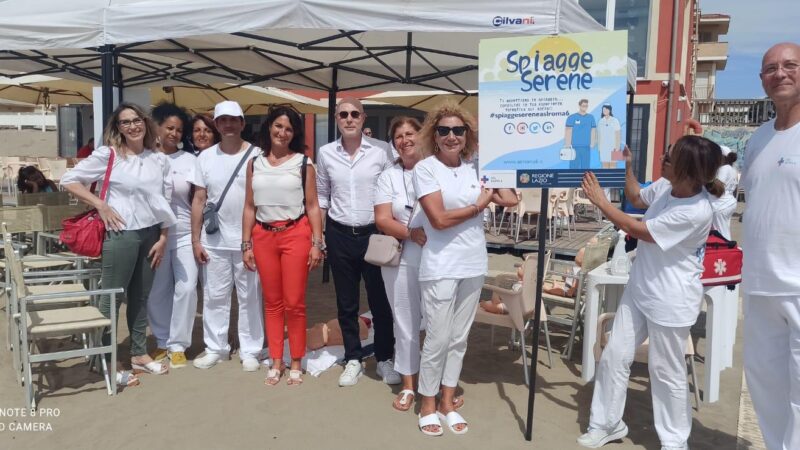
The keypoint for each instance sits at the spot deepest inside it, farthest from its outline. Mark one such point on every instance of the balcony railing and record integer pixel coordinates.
(734, 112)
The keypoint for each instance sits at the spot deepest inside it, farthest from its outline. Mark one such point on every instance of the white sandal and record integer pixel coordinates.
(405, 403)
(430, 419)
(453, 418)
(156, 368)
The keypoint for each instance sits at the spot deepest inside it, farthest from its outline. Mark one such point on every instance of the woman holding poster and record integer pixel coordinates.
(664, 293)
(454, 259)
(608, 137)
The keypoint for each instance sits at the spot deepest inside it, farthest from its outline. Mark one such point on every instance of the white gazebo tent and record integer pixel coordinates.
(330, 45)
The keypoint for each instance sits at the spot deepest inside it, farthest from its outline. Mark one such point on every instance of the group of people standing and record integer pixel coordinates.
(250, 217)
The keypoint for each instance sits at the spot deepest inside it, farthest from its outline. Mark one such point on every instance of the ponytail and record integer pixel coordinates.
(715, 188)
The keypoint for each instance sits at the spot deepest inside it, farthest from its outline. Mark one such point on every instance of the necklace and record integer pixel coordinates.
(454, 169)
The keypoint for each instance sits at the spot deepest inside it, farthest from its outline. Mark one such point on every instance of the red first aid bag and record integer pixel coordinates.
(722, 263)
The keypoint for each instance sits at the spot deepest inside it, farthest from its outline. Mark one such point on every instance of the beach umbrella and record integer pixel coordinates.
(426, 100)
(253, 99)
(40, 90)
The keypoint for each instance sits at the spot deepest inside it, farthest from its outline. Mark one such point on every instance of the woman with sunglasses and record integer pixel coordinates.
(663, 295)
(282, 235)
(397, 214)
(137, 215)
(454, 259)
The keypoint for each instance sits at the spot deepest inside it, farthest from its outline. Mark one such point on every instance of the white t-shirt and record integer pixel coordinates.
(213, 170)
(182, 166)
(139, 188)
(665, 277)
(278, 191)
(396, 186)
(771, 181)
(457, 252)
(655, 189)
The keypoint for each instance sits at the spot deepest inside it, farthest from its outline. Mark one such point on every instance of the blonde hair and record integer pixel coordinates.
(114, 138)
(448, 109)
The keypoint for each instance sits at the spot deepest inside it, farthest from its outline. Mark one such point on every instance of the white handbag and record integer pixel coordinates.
(384, 250)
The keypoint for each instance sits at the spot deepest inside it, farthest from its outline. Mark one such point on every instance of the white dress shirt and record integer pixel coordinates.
(139, 189)
(345, 186)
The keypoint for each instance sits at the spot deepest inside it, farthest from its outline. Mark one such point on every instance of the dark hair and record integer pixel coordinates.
(731, 158)
(209, 122)
(113, 137)
(610, 111)
(298, 142)
(582, 101)
(164, 111)
(697, 159)
(399, 121)
(24, 174)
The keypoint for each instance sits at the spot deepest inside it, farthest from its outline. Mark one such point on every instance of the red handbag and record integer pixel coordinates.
(722, 263)
(84, 233)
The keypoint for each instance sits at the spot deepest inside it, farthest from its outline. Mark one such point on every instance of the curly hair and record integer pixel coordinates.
(113, 137)
(448, 109)
(298, 142)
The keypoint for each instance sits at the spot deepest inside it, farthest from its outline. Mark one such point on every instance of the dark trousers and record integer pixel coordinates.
(346, 250)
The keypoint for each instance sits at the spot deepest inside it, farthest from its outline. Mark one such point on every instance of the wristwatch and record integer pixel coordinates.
(320, 244)
(247, 246)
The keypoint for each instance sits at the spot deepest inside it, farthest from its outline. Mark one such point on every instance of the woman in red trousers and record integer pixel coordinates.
(282, 234)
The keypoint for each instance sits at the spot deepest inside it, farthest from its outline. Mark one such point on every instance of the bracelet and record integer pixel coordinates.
(318, 243)
(247, 246)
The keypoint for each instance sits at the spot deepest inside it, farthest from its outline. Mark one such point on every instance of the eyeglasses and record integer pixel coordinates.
(354, 114)
(445, 131)
(772, 69)
(130, 123)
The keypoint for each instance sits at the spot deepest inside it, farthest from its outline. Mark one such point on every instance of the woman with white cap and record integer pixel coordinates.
(725, 206)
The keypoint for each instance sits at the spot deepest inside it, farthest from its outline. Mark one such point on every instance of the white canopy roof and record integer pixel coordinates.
(393, 44)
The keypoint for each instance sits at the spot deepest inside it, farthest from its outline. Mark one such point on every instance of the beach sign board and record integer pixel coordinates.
(552, 108)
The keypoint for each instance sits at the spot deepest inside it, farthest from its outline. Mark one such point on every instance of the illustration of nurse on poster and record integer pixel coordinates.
(551, 108)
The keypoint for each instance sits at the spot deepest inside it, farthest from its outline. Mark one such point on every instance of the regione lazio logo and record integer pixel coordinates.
(720, 267)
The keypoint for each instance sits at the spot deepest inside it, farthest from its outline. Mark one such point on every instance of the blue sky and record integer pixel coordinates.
(755, 26)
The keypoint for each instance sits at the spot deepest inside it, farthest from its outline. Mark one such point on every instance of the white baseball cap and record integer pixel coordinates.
(228, 108)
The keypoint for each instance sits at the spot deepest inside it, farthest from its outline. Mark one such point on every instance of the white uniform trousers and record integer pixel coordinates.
(450, 307)
(172, 304)
(721, 220)
(772, 366)
(672, 411)
(224, 269)
(403, 292)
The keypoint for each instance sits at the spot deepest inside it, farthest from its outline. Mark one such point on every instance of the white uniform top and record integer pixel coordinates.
(607, 128)
(457, 252)
(182, 170)
(396, 186)
(346, 187)
(649, 193)
(213, 170)
(771, 181)
(139, 188)
(665, 277)
(278, 191)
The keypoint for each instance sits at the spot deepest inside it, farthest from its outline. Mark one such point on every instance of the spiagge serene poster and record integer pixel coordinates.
(551, 108)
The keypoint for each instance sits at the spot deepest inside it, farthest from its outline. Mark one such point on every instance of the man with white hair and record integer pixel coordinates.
(347, 172)
(771, 271)
(219, 180)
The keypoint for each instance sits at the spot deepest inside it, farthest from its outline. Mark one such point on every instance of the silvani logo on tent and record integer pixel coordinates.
(505, 20)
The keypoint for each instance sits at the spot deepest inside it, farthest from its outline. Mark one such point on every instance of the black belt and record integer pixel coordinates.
(288, 224)
(357, 231)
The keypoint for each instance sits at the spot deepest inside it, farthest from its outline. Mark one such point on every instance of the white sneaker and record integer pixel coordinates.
(387, 373)
(599, 438)
(250, 364)
(352, 372)
(207, 361)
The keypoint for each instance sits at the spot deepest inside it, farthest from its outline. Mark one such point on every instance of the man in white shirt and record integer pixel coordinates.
(771, 271)
(347, 172)
(219, 253)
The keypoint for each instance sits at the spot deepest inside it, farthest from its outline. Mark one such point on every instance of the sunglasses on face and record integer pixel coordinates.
(354, 114)
(665, 158)
(445, 131)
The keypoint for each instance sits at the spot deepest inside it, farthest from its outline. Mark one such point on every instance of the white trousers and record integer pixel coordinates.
(450, 307)
(224, 270)
(772, 366)
(172, 304)
(672, 411)
(721, 220)
(403, 292)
